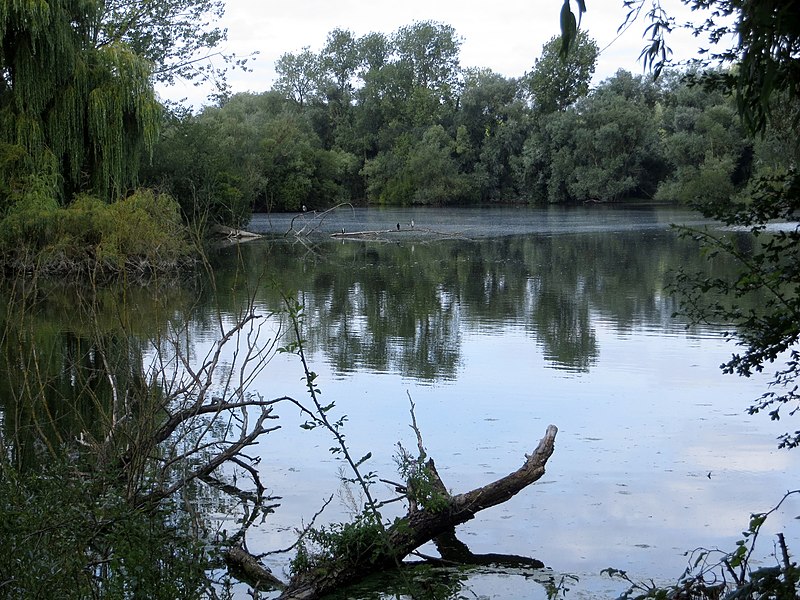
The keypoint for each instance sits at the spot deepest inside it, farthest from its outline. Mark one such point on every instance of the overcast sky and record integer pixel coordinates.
(506, 36)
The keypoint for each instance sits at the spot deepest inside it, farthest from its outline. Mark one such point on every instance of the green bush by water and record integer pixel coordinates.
(143, 232)
(66, 536)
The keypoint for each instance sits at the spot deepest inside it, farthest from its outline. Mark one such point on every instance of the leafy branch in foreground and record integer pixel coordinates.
(344, 553)
(762, 301)
(715, 574)
(319, 417)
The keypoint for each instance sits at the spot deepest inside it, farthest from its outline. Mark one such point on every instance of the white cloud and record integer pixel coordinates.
(506, 37)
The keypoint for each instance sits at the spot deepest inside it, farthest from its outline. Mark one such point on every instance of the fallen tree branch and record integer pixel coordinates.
(418, 527)
(310, 225)
(234, 448)
(251, 570)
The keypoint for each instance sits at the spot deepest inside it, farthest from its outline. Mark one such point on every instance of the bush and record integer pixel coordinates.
(143, 232)
(67, 537)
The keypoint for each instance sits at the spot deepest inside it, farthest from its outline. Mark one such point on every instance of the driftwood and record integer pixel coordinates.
(372, 232)
(234, 234)
(421, 525)
(380, 234)
(248, 568)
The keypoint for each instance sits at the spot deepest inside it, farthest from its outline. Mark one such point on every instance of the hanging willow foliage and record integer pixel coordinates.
(89, 106)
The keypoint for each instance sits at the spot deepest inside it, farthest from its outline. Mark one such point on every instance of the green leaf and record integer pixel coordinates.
(756, 521)
(737, 558)
(364, 458)
(569, 29)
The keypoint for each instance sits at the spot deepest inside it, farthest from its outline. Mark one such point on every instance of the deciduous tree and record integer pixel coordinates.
(298, 75)
(555, 82)
(77, 106)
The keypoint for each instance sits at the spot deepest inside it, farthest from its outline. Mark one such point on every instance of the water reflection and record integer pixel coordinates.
(404, 308)
(549, 326)
(61, 348)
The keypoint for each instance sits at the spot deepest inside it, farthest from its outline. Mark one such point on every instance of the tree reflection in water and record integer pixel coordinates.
(403, 308)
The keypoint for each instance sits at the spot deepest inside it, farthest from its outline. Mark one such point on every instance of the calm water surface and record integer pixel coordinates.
(498, 322)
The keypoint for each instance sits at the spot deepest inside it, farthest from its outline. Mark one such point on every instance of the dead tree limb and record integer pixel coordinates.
(418, 527)
(455, 552)
(250, 569)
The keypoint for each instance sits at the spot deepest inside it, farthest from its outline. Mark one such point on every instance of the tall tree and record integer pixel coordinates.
(178, 37)
(555, 82)
(493, 123)
(430, 51)
(375, 51)
(298, 75)
(339, 62)
(76, 107)
(706, 148)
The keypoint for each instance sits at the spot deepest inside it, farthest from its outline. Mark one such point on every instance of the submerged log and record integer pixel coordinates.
(418, 527)
(455, 552)
(249, 569)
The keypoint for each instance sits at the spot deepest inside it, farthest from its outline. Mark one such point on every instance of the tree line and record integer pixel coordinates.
(376, 119)
(395, 120)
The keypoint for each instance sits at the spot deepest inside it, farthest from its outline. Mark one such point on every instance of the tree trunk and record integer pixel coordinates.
(420, 526)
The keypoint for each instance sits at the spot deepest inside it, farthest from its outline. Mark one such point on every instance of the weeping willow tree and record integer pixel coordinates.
(74, 116)
(76, 99)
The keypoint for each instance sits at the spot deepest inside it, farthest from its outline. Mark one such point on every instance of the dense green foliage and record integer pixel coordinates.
(74, 115)
(141, 233)
(556, 82)
(64, 537)
(78, 114)
(77, 105)
(397, 120)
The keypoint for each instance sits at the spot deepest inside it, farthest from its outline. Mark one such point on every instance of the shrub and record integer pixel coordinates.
(66, 537)
(143, 232)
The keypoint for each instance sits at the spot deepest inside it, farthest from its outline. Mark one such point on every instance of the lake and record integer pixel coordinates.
(498, 322)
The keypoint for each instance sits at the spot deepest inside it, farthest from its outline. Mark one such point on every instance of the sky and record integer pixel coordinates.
(506, 37)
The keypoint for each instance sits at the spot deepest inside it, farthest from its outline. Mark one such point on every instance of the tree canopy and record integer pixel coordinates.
(557, 82)
(395, 119)
(175, 36)
(77, 106)
(73, 114)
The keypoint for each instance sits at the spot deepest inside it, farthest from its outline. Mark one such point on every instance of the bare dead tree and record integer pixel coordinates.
(420, 525)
